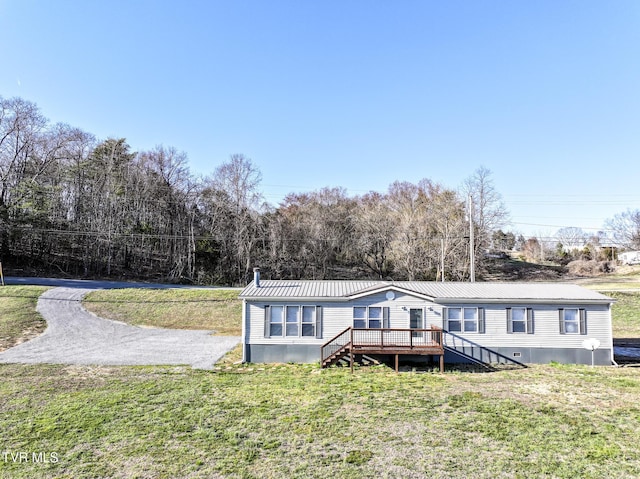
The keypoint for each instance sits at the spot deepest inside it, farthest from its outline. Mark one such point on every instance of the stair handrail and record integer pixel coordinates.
(336, 344)
(501, 358)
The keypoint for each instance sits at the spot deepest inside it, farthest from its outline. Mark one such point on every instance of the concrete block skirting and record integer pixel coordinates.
(304, 353)
(282, 353)
(602, 357)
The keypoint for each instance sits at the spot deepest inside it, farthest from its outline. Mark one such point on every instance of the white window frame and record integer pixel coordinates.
(293, 325)
(313, 324)
(577, 323)
(273, 323)
(462, 319)
(368, 319)
(520, 321)
(300, 322)
(297, 327)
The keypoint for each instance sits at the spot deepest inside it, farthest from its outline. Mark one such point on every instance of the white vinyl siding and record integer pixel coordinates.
(335, 317)
(546, 333)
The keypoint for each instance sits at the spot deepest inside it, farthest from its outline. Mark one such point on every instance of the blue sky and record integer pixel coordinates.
(356, 94)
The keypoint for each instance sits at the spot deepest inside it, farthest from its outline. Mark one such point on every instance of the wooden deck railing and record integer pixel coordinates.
(382, 341)
(335, 346)
(397, 338)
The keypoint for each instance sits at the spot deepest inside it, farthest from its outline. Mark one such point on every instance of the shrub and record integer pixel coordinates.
(589, 267)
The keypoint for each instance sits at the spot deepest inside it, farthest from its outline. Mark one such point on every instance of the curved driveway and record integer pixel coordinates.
(75, 336)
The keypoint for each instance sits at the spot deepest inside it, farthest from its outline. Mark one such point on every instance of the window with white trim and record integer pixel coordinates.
(375, 317)
(309, 321)
(275, 320)
(573, 321)
(292, 321)
(367, 317)
(462, 320)
(520, 320)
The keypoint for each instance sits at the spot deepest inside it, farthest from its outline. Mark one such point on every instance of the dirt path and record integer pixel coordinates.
(75, 336)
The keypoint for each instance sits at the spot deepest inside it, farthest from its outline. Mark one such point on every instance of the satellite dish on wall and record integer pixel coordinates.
(591, 345)
(391, 295)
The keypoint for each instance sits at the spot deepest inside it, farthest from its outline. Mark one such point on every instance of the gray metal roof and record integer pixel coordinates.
(447, 291)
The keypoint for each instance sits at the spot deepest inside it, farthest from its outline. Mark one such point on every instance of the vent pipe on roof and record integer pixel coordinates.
(256, 277)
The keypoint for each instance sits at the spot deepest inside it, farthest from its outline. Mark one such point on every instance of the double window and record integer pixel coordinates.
(370, 317)
(292, 321)
(520, 320)
(573, 321)
(465, 320)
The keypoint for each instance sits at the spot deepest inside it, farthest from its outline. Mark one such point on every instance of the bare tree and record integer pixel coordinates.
(448, 229)
(572, 238)
(625, 229)
(170, 197)
(239, 179)
(318, 228)
(375, 229)
(532, 249)
(409, 247)
(490, 212)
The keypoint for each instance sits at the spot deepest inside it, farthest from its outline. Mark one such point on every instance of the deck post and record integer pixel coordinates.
(396, 364)
(351, 351)
(442, 362)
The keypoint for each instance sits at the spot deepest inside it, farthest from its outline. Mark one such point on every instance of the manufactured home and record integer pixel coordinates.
(311, 321)
(630, 257)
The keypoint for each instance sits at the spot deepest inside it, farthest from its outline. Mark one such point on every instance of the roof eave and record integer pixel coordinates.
(382, 289)
(525, 300)
(335, 299)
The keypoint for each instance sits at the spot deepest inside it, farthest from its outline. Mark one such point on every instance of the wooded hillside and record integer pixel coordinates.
(78, 206)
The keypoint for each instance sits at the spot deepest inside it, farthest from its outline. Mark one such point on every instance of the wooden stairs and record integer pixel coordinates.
(366, 342)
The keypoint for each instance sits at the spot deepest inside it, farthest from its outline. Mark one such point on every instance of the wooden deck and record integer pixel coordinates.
(396, 342)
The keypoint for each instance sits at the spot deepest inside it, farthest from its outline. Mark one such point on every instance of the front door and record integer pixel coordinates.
(416, 321)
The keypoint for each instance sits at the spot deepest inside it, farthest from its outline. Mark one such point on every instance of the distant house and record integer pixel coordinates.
(629, 257)
(310, 321)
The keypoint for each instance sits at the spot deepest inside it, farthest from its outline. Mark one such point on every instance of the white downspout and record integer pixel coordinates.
(244, 330)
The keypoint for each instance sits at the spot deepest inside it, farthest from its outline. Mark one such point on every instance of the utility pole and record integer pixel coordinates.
(442, 256)
(472, 257)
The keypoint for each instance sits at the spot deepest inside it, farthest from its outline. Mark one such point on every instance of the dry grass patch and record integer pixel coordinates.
(303, 422)
(19, 320)
(209, 309)
(624, 278)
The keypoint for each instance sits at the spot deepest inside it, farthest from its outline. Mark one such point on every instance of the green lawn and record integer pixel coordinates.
(302, 422)
(211, 309)
(625, 314)
(18, 319)
(298, 421)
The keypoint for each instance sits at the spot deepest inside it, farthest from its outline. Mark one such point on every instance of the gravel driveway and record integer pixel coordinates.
(75, 336)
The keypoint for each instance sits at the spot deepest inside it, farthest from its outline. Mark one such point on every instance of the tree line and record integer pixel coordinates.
(75, 205)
